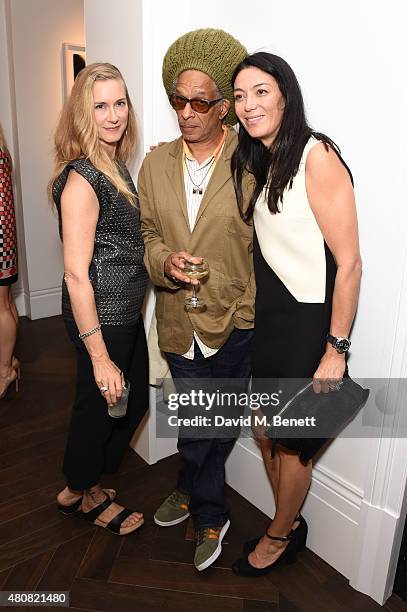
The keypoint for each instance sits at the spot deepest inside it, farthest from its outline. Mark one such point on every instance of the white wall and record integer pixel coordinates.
(108, 33)
(354, 93)
(36, 33)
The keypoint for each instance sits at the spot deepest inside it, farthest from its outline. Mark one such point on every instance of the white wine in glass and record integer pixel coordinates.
(195, 272)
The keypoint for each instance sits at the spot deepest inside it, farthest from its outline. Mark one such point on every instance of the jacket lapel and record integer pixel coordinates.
(176, 179)
(220, 175)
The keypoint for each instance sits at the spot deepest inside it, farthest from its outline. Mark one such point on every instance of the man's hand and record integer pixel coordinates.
(174, 265)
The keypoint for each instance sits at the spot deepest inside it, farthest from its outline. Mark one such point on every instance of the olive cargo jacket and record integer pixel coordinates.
(219, 235)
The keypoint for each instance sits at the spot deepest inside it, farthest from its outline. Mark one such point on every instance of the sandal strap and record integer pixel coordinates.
(71, 508)
(281, 538)
(92, 515)
(116, 522)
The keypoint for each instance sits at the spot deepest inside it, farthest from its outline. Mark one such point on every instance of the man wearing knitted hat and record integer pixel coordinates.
(189, 211)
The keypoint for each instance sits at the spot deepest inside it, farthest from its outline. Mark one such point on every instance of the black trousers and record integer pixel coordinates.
(97, 442)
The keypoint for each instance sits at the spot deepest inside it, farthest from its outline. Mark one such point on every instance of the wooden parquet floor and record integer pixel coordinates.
(150, 570)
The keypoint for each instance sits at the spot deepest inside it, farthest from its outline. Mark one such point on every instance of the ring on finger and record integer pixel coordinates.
(103, 389)
(334, 386)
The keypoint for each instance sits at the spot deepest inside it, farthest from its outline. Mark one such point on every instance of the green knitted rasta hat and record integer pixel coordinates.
(214, 52)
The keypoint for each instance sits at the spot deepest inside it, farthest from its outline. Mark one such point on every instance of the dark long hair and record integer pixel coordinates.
(274, 167)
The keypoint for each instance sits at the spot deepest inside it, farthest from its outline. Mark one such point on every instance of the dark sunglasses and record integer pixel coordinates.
(197, 104)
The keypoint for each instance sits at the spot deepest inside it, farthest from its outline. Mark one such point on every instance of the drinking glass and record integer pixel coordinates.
(119, 409)
(195, 271)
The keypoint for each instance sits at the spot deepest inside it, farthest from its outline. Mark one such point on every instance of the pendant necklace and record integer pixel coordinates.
(197, 188)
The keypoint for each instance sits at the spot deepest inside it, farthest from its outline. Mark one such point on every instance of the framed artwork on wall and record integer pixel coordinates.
(73, 60)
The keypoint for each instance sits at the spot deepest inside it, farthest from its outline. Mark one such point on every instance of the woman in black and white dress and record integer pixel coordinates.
(307, 267)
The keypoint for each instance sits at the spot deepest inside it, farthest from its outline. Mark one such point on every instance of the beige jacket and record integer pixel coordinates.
(219, 235)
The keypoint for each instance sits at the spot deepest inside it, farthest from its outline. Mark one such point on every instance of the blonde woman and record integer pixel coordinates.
(103, 287)
(9, 365)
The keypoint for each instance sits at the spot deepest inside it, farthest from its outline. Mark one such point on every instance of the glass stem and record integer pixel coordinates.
(193, 293)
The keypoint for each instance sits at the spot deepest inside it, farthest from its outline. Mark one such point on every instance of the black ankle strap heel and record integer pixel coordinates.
(243, 567)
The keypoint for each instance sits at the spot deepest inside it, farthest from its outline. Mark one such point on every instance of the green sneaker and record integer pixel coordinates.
(173, 510)
(209, 545)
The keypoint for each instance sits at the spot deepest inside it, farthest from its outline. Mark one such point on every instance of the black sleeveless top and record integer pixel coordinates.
(117, 273)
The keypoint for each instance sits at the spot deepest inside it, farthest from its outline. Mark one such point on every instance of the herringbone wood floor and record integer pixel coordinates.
(149, 570)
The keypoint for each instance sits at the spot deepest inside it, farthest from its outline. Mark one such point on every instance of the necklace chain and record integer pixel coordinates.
(198, 186)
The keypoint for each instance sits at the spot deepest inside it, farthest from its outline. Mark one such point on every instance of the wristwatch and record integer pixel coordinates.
(341, 345)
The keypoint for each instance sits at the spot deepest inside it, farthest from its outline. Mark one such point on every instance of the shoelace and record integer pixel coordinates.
(213, 534)
(177, 500)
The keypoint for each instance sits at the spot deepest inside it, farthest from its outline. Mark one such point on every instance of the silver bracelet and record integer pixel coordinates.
(90, 332)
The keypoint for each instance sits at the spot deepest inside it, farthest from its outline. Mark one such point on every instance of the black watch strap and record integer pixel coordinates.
(341, 345)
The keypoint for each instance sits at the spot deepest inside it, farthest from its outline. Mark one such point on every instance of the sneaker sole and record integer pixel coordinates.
(171, 523)
(218, 550)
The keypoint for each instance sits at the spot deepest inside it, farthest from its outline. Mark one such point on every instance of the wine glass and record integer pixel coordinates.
(195, 271)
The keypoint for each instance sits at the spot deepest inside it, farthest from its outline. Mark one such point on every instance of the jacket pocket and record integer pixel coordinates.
(231, 290)
(237, 227)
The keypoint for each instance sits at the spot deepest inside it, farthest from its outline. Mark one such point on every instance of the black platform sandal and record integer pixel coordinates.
(115, 525)
(242, 567)
(299, 533)
(76, 506)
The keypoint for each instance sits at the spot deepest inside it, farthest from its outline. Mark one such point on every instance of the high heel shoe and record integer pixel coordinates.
(16, 365)
(8, 380)
(242, 567)
(299, 534)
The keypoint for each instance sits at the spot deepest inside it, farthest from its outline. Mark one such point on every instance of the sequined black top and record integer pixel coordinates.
(117, 272)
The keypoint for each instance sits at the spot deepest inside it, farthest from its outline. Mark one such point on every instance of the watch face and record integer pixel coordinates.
(342, 345)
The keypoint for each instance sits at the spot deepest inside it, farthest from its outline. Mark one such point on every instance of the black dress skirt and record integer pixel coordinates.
(289, 339)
